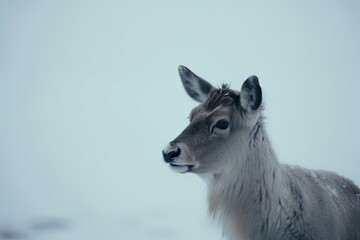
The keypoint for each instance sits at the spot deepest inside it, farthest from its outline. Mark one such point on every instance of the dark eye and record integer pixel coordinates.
(222, 124)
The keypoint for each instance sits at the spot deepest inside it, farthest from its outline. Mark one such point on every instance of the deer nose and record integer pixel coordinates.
(171, 155)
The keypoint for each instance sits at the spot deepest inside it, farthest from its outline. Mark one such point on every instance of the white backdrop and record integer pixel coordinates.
(89, 95)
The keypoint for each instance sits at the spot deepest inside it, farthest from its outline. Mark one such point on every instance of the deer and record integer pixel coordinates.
(249, 192)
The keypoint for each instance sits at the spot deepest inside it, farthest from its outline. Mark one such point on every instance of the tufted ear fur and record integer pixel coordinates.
(251, 94)
(196, 87)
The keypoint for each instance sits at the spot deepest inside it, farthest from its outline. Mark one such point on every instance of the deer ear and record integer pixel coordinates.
(251, 94)
(196, 87)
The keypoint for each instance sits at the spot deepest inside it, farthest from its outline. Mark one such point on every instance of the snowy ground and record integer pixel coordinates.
(92, 226)
(89, 96)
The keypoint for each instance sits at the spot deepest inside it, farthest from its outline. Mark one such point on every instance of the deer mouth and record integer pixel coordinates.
(181, 168)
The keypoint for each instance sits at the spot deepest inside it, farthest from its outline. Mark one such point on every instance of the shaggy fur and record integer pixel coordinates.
(252, 195)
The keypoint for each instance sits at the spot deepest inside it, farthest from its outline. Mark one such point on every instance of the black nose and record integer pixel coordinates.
(169, 157)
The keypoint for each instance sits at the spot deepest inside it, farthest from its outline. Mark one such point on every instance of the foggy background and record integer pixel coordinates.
(90, 94)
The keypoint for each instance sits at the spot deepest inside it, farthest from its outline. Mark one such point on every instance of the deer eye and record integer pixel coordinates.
(222, 124)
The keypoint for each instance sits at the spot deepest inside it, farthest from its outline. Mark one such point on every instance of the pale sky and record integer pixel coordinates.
(90, 94)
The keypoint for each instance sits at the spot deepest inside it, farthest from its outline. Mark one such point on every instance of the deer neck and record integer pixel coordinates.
(250, 189)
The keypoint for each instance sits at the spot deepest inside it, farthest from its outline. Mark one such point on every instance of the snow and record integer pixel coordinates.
(313, 174)
(332, 191)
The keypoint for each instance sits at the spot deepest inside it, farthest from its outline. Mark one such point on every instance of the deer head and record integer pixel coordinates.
(221, 127)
